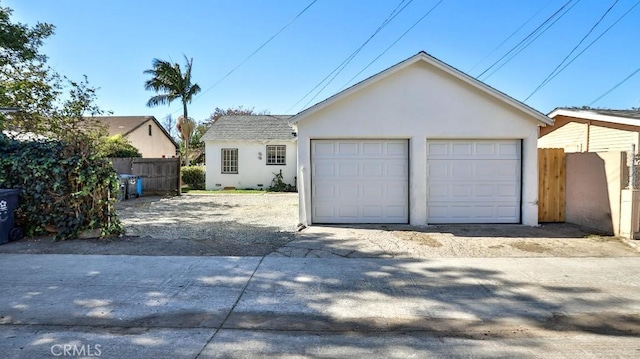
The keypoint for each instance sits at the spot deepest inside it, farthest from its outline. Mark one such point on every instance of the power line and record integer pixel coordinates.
(255, 51)
(510, 36)
(396, 11)
(615, 87)
(530, 41)
(519, 44)
(545, 81)
(392, 44)
(592, 42)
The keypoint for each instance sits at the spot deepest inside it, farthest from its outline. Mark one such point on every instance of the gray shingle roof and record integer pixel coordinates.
(250, 128)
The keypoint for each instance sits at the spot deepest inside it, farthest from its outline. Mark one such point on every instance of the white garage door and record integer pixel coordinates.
(359, 181)
(473, 181)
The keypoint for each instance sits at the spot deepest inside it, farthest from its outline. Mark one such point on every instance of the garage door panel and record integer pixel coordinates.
(476, 149)
(461, 170)
(476, 213)
(473, 181)
(348, 169)
(370, 178)
(324, 191)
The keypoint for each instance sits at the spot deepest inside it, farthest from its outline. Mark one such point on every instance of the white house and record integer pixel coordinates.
(419, 143)
(246, 151)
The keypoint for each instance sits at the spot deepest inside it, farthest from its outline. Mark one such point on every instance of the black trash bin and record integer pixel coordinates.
(122, 187)
(8, 204)
(133, 185)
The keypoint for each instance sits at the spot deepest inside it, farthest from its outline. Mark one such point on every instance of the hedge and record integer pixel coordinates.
(65, 189)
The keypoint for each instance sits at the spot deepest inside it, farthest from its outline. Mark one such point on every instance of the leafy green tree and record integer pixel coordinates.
(170, 83)
(65, 181)
(20, 43)
(119, 146)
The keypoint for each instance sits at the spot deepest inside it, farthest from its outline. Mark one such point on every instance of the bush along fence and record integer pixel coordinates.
(193, 176)
(65, 189)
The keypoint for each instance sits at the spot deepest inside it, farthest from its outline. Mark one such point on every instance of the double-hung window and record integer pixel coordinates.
(276, 155)
(229, 160)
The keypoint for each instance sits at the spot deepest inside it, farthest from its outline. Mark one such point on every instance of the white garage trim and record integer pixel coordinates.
(360, 181)
(474, 181)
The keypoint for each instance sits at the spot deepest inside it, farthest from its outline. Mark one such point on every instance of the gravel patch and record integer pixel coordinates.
(265, 224)
(255, 217)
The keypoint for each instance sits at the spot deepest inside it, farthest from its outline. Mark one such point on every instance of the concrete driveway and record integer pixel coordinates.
(228, 307)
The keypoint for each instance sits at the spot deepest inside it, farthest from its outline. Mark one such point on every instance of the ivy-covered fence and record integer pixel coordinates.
(65, 190)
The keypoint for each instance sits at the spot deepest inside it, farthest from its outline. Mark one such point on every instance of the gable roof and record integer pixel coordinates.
(424, 57)
(623, 117)
(250, 128)
(124, 125)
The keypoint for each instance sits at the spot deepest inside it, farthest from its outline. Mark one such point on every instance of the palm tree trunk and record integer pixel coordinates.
(187, 138)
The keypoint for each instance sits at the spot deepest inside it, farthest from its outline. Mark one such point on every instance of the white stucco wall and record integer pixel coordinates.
(417, 103)
(155, 146)
(252, 165)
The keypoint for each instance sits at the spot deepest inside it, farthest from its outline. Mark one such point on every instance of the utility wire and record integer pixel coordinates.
(532, 40)
(593, 42)
(509, 38)
(526, 38)
(255, 51)
(546, 80)
(396, 11)
(615, 87)
(392, 44)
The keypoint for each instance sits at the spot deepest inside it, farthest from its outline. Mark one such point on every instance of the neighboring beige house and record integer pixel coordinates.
(144, 132)
(591, 130)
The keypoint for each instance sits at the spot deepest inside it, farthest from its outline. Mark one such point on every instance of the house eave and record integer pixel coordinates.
(588, 115)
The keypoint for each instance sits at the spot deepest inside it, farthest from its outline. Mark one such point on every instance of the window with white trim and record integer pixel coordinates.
(229, 160)
(276, 154)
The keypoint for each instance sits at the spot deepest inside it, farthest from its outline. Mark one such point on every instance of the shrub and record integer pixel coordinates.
(194, 176)
(278, 184)
(65, 189)
(118, 146)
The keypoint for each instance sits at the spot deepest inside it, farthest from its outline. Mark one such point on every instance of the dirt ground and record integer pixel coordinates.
(265, 224)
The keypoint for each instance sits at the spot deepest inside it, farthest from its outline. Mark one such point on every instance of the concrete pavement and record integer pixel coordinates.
(189, 307)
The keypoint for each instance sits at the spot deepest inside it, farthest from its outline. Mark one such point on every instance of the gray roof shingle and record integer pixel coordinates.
(250, 128)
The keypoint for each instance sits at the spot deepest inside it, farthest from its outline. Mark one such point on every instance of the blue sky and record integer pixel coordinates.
(113, 42)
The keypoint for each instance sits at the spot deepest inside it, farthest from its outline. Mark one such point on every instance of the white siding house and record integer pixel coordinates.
(419, 143)
(247, 151)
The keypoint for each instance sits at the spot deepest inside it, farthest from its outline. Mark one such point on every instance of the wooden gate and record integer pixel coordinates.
(551, 184)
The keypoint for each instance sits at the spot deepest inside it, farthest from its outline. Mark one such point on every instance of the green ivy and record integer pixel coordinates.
(65, 190)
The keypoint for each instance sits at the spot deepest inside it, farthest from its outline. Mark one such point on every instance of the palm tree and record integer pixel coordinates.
(170, 83)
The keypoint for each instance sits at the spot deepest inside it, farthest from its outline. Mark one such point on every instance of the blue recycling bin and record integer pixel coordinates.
(139, 186)
(8, 204)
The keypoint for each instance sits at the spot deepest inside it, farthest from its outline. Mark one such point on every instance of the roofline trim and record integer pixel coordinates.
(423, 56)
(585, 114)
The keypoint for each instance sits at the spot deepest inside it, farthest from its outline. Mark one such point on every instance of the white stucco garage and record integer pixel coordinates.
(418, 143)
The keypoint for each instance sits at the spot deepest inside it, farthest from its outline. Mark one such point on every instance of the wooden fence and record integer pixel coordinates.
(159, 175)
(551, 185)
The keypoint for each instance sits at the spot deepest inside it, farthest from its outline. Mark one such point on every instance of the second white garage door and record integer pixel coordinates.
(473, 181)
(360, 181)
